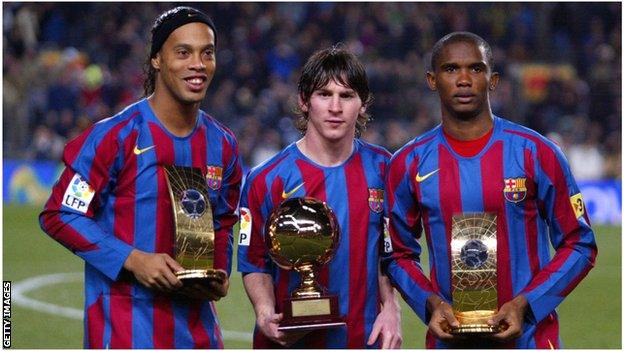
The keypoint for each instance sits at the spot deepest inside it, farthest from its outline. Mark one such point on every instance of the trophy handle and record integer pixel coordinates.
(309, 287)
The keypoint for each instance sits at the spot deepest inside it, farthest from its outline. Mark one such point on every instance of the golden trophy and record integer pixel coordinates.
(194, 230)
(473, 270)
(303, 234)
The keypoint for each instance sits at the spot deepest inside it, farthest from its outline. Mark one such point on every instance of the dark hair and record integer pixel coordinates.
(164, 25)
(457, 37)
(338, 64)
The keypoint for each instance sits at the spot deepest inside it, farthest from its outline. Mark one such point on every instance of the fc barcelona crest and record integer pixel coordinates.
(214, 175)
(375, 199)
(515, 189)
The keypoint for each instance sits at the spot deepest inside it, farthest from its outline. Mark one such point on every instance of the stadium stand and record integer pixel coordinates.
(67, 65)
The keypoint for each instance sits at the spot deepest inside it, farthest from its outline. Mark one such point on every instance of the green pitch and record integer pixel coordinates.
(590, 316)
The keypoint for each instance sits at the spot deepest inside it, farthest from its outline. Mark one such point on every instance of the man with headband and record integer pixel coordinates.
(111, 205)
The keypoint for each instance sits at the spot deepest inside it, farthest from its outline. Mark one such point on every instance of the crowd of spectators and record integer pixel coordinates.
(68, 65)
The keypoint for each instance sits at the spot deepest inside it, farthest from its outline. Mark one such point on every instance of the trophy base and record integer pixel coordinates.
(475, 322)
(201, 276)
(472, 329)
(310, 313)
(312, 326)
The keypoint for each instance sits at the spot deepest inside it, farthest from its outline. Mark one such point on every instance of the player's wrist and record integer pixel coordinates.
(130, 262)
(264, 311)
(391, 305)
(521, 304)
(434, 301)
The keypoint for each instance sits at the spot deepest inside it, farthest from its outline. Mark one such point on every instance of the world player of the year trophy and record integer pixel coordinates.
(194, 230)
(473, 270)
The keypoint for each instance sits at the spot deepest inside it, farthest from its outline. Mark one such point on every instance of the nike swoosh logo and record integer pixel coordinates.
(286, 195)
(420, 179)
(138, 151)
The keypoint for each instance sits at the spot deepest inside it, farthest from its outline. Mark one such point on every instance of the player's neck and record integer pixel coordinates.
(467, 128)
(325, 152)
(178, 118)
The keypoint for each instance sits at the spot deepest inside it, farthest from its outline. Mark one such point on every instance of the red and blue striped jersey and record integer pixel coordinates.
(525, 180)
(354, 191)
(113, 197)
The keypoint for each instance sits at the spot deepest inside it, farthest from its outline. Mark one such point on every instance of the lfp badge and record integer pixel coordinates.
(78, 194)
(214, 175)
(375, 199)
(515, 189)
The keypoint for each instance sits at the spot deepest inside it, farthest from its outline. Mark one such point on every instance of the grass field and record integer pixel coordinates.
(590, 316)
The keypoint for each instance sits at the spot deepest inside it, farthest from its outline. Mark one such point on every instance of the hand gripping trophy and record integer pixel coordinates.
(303, 234)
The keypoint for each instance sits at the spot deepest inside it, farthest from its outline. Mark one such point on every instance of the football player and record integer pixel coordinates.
(476, 162)
(330, 164)
(111, 205)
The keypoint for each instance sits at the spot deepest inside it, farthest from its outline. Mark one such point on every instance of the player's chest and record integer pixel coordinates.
(491, 182)
(145, 166)
(348, 194)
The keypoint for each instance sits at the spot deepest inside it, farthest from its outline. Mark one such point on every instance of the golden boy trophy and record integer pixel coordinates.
(194, 231)
(303, 234)
(473, 269)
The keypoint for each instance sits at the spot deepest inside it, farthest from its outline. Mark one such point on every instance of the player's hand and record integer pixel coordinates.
(442, 319)
(388, 326)
(510, 317)
(214, 290)
(155, 271)
(218, 289)
(268, 322)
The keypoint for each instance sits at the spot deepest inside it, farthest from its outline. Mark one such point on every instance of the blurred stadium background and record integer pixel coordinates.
(68, 65)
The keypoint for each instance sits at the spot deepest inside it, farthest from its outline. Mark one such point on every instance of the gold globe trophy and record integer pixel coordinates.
(303, 234)
(194, 230)
(473, 270)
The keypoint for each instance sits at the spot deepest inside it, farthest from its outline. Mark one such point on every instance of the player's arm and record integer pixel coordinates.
(509, 318)
(253, 259)
(401, 258)
(68, 216)
(259, 288)
(570, 234)
(255, 264)
(387, 325)
(226, 209)
(156, 271)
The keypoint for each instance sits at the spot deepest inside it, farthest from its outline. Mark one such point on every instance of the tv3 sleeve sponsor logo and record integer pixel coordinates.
(6, 314)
